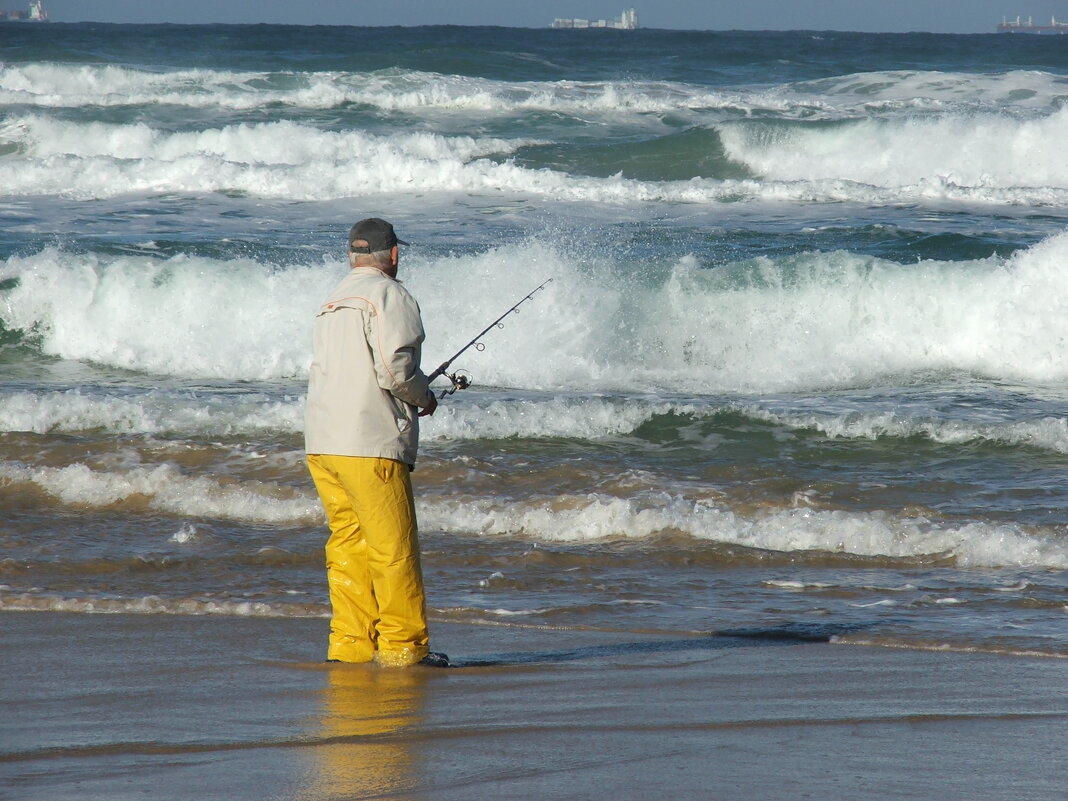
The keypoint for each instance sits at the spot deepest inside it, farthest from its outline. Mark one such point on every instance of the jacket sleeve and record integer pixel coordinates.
(395, 335)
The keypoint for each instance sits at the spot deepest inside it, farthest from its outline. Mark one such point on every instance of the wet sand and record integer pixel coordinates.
(167, 707)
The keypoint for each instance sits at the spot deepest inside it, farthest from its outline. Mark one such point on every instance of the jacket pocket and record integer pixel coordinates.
(401, 414)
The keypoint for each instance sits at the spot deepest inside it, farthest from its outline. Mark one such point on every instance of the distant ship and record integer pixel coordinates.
(35, 14)
(1008, 26)
(627, 21)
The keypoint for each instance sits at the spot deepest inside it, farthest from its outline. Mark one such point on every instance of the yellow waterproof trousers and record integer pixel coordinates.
(372, 560)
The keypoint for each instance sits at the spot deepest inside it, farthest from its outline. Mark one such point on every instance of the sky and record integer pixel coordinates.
(936, 16)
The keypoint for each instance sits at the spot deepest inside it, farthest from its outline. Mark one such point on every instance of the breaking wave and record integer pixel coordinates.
(567, 518)
(811, 320)
(883, 137)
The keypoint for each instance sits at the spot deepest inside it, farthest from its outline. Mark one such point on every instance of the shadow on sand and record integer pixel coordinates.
(783, 634)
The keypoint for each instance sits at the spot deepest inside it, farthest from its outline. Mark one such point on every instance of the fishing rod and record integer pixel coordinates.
(459, 380)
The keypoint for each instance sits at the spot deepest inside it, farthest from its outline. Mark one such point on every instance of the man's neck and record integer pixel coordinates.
(389, 273)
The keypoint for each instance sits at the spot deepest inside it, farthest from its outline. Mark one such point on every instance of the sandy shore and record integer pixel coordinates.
(164, 707)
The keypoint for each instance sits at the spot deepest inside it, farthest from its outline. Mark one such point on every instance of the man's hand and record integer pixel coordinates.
(429, 409)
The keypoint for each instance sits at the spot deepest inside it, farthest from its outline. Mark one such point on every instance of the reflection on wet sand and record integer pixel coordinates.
(366, 711)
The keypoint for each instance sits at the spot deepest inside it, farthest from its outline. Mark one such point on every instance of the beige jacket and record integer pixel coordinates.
(364, 383)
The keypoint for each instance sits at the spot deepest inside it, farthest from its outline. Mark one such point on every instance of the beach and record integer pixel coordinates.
(761, 496)
(135, 706)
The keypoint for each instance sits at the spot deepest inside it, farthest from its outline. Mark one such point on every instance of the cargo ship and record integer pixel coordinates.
(627, 21)
(36, 13)
(1019, 26)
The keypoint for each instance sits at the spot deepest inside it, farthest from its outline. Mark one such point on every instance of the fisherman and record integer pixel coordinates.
(366, 392)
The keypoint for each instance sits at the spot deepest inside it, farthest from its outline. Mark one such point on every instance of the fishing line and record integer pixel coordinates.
(460, 380)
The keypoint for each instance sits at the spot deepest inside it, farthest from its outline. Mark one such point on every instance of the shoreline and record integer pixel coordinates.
(113, 706)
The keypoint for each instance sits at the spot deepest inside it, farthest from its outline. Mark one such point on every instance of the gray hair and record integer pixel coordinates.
(379, 258)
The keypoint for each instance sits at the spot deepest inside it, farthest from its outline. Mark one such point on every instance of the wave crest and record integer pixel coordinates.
(810, 320)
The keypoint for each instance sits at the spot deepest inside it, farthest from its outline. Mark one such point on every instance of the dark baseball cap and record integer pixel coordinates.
(376, 233)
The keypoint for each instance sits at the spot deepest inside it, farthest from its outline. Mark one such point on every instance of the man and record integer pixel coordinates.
(365, 395)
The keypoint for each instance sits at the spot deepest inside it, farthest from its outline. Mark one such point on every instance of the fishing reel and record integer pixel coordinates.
(459, 379)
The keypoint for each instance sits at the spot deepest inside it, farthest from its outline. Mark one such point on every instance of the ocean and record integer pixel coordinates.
(801, 363)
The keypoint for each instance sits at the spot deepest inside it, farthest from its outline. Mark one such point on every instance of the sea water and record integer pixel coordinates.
(802, 359)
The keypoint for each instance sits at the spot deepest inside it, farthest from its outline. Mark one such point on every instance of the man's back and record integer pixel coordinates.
(364, 381)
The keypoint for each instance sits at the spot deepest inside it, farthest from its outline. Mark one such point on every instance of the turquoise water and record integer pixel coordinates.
(802, 357)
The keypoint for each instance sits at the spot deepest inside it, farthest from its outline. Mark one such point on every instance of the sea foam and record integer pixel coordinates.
(811, 320)
(56, 85)
(153, 412)
(879, 138)
(182, 316)
(275, 159)
(154, 605)
(991, 151)
(480, 415)
(166, 489)
(567, 518)
(595, 516)
(793, 322)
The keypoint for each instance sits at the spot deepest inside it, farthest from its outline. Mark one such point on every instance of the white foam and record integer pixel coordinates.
(905, 136)
(76, 86)
(593, 517)
(1046, 433)
(992, 151)
(647, 513)
(796, 322)
(273, 159)
(47, 85)
(568, 417)
(186, 534)
(64, 86)
(155, 605)
(1020, 587)
(53, 85)
(153, 412)
(287, 159)
(810, 320)
(912, 91)
(516, 612)
(798, 585)
(479, 416)
(165, 488)
(186, 316)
